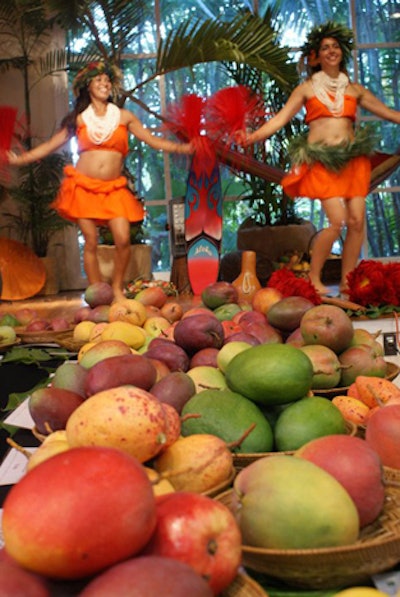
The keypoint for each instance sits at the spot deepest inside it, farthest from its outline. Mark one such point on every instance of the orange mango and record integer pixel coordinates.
(352, 409)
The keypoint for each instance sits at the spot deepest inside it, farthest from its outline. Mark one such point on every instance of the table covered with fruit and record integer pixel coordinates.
(223, 447)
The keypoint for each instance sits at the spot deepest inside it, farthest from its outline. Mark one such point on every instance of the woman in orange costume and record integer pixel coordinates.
(331, 161)
(94, 192)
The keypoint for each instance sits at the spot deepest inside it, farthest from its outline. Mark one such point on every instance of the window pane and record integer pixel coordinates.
(298, 16)
(176, 11)
(379, 71)
(374, 21)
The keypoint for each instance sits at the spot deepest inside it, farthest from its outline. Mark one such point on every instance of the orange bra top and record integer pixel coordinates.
(316, 109)
(117, 142)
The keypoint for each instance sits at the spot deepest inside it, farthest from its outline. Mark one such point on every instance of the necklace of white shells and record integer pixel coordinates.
(101, 128)
(330, 91)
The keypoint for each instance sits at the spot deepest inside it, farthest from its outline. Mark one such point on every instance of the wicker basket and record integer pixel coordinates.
(43, 336)
(7, 345)
(392, 372)
(64, 338)
(391, 476)
(377, 550)
(242, 460)
(244, 586)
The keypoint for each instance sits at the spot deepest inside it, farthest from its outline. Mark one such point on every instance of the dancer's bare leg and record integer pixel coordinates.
(355, 235)
(322, 246)
(90, 260)
(120, 229)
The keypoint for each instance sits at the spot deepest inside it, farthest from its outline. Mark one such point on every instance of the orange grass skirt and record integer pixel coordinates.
(315, 181)
(101, 200)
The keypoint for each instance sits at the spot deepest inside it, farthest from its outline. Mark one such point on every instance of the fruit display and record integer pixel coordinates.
(141, 429)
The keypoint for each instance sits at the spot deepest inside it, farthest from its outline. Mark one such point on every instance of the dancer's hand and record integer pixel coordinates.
(13, 159)
(241, 138)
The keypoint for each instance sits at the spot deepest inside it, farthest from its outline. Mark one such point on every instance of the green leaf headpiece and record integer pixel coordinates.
(340, 32)
(91, 70)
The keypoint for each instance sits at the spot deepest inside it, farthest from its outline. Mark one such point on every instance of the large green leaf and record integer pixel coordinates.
(246, 39)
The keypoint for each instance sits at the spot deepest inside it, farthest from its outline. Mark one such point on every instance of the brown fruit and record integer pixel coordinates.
(50, 408)
(129, 369)
(327, 325)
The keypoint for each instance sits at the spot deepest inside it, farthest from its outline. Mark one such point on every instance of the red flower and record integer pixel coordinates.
(393, 274)
(286, 281)
(371, 283)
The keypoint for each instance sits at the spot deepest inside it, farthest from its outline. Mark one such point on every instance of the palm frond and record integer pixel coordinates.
(58, 60)
(247, 39)
(7, 64)
(120, 20)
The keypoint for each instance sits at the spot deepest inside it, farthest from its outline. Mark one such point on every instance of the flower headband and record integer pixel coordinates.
(341, 33)
(91, 70)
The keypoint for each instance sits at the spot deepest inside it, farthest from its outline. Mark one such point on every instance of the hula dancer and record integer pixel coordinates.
(94, 191)
(331, 162)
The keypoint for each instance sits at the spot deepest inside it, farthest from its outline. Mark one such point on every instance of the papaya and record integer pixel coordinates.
(228, 415)
(270, 374)
(375, 391)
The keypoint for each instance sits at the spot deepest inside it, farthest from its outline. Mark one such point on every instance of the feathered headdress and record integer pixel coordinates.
(342, 34)
(91, 70)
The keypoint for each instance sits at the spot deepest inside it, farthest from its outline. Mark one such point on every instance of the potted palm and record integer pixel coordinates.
(29, 217)
(33, 221)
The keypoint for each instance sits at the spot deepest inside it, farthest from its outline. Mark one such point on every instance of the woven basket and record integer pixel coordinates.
(7, 345)
(242, 460)
(43, 336)
(64, 338)
(392, 372)
(391, 476)
(377, 550)
(244, 586)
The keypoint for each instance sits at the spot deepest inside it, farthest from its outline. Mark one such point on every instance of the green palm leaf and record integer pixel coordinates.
(247, 39)
(113, 24)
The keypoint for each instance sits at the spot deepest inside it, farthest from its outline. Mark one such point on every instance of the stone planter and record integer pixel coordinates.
(273, 242)
(139, 263)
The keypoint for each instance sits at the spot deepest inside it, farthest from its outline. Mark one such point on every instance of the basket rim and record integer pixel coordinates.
(238, 456)
(360, 545)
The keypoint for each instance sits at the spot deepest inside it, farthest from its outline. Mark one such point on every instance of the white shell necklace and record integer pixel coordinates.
(325, 87)
(101, 128)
